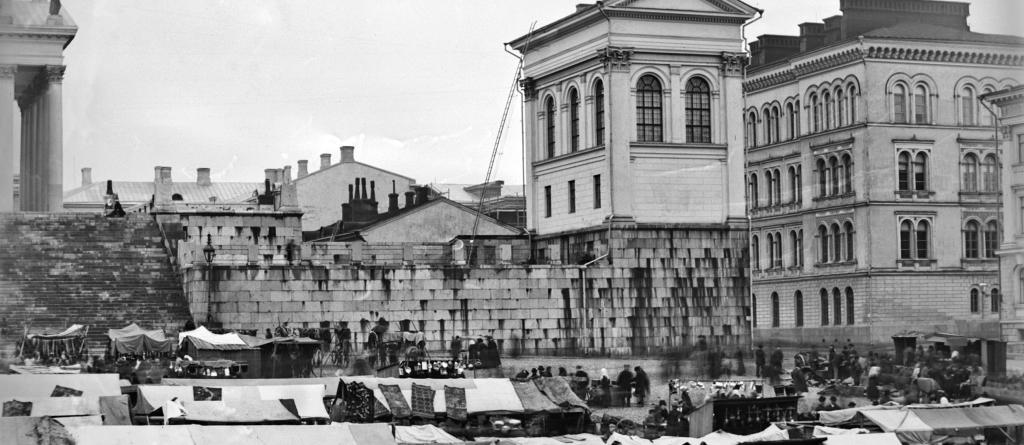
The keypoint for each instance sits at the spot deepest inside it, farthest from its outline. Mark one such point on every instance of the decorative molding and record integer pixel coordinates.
(829, 61)
(733, 63)
(8, 71)
(55, 73)
(529, 86)
(615, 58)
(770, 80)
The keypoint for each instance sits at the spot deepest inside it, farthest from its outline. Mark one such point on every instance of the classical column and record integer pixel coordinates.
(621, 117)
(7, 137)
(731, 111)
(54, 168)
(25, 107)
(530, 149)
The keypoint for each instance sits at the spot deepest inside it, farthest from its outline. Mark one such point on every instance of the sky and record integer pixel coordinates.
(242, 85)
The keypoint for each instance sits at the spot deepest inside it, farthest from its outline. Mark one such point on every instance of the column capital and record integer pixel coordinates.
(615, 58)
(8, 71)
(529, 86)
(55, 73)
(733, 63)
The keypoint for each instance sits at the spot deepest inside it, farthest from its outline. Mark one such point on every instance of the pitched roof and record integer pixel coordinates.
(458, 193)
(35, 13)
(924, 31)
(142, 191)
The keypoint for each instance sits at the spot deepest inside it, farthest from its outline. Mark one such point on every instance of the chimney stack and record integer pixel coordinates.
(356, 197)
(268, 175)
(86, 176)
(303, 168)
(203, 177)
(110, 187)
(362, 187)
(350, 193)
(348, 154)
(287, 178)
(422, 194)
(410, 199)
(373, 191)
(325, 160)
(392, 199)
(278, 175)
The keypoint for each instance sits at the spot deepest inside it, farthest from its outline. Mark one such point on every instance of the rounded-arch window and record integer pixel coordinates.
(848, 233)
(816, 112)
(829, 109)
(549, 116)
(824, 307)
(920, 104)
(752, 129)
(574, 120)
(753, 191)
(177, 197)
(990, 174)
(995, 300)
(823, 244)
(847, 173)
(648, 109)
(967, 104)
(991, 239)
(599, 112)
(852, 97)
(975, 301)
(833, 166)
(837, 307)
(791, 122)
(969, 167)
(837, 243)
(920, 171)
(972, 234)
(823, 174)
(698, 110)
(899, 103)
(775, 310)
(798, 308)
(755, 253)
(850, 318)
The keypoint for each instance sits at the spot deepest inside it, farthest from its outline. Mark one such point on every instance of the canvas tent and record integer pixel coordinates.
(43, 385)
(338, 434)
(306, 399)
(33, 431)
(483, 396)
(269, 358)
(133, 340)
(925, 425)
(417, 434)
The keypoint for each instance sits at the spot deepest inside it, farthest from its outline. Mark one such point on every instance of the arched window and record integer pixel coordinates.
(829, 109)
(793, 247)
(920, 172)
(975, 301)
(990, 174)
(823, 244)
(848, 232)
(177, 197)
(972, 233)
(775, 310)
(798, 247)
(920, 104)
(907, 240)
(849, 306)
(767, 121)
(922, 239)
(991, 239)
(776, 127)
(753, 191)
(777, 260)
(841, 107)
(770, 179)
(852, 96)
(574, 119)
(837, 307)
(837, 243)
(904, 171)
(549, 115)
(599, 112)
(969, 167)
(791, 120)
(816, 112)
(798, 308)
(771, 251)
(755, 253)
(899, 103)
(752, 129)
(753, 309)
(967, 105)
(778, 186)
(698, 111)
(847, 173)
(795, 183)
(648, 109)
(988, 118)
(833, 166)
(822, 178)
(995, 300)
(824, 307)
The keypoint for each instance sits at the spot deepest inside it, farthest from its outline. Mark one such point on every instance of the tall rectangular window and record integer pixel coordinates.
(1020, 148)
(599, 113)
(572, 196)
(547, 201)
(597, 191)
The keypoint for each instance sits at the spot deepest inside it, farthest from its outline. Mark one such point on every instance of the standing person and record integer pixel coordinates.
(495, 355)
(562, 372)
(606, 388)
(643, 385)
(581, 383)
(776, 360)
(456, 347)
(625, 384)
(741, 368)
(759, 361)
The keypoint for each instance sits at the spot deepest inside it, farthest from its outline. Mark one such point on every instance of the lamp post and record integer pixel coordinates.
(209, 252)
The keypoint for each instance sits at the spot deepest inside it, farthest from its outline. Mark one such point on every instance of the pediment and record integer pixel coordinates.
(727, 6)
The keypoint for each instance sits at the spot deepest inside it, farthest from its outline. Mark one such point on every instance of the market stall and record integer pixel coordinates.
(133, 340)
(234, 404)
(61, 348)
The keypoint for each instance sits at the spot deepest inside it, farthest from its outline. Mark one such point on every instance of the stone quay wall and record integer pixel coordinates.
(650, 299)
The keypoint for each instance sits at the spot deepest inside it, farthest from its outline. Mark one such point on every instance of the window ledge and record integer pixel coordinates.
(568, 155)
(979, 260)
(836, 263)
(914, 194)
(831, 197)
(980, 194)
(915, 263)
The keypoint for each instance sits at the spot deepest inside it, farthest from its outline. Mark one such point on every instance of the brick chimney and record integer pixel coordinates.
(86, 176)
(348, 154)
(203, 177)
(287, 176)
(392, 199)
(325, 160)
(303, 168)
(268, 175)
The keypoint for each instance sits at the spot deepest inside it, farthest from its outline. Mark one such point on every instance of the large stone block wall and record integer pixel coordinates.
(659, 294)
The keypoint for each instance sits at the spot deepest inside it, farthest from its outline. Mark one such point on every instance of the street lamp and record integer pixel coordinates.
(208, 249)
(209, 252)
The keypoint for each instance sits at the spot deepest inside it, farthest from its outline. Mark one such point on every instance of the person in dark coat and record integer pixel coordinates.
(642, 385)
(625, 385)
(492, 351)
(759, 361)
(741, 368)
(606, 388)
(456, 347)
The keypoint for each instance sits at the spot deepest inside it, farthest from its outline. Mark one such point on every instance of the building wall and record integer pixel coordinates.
(322, 192)
(1011, 252)
(438, 222)
(558, 179)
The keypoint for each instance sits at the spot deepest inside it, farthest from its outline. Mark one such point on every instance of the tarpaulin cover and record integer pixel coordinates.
(423, 401)
(132, 339)
(411, 337)
(238, 411)
(423, 434)
(256, 342)
(823, 431)
(455, 403)
(864, 439)
(482, 395)
(329, 383)
(60, 406)
(951, 420)
(557, 389)
(76, 330)
(533, 400)
(308, 398)
(845, 415)
(908, 427)
(42, 385)
(396, 401)
(33, 431)
(569, 439)
(338, 434)
(203, 334)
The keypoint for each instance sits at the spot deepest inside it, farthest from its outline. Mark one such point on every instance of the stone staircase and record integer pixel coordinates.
(60, 269)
